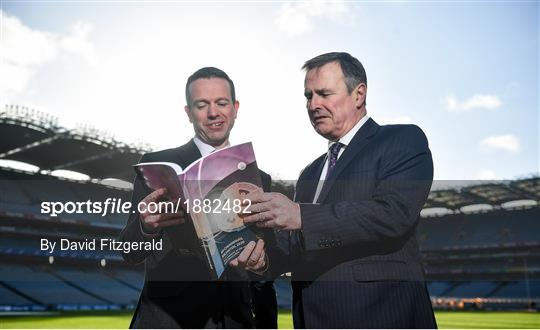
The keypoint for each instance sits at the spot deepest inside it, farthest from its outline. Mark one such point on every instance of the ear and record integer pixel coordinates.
(360, 95)
(236, 105)
(188, 113)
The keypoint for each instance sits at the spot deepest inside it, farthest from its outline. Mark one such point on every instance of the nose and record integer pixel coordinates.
(213, 111)
(314, 103)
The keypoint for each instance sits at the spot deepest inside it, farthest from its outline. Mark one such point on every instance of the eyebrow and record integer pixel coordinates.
(323, 91)
(208, 101)
(309, 94)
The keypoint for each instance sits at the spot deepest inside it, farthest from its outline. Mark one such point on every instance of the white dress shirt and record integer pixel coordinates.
(345, 140)
(205, 149)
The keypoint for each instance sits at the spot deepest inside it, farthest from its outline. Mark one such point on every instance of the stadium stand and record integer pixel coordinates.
(99, 284)
(43, 288)
(130, 278)
(518, 290)
(8, 297)
(472, 289)
(284, 293)
(480, 243)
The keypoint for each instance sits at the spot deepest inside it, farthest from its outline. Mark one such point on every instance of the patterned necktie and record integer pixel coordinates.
(334, 152)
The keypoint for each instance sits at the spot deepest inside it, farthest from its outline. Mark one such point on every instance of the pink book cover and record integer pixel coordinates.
(220, 181)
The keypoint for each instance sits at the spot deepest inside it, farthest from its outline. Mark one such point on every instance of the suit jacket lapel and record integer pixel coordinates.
(308, 181)
(361, 138)
(187, 154)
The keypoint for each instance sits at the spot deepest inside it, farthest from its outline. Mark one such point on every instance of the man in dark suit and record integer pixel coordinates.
(350, 233)
(178, 292)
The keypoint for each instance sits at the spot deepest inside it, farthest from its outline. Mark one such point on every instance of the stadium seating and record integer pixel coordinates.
(100, 285)
(284, 292)
(131, 278)
(472, 289)
(8, 297)
(437, 289)
(518, 289)
(42, 287)
(27, 287)
(459, 231)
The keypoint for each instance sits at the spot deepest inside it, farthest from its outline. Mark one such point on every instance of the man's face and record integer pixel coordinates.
(212, 111)
(333, 111)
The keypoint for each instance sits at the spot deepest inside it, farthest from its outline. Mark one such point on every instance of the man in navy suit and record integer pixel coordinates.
(178, 292)
(350, 234)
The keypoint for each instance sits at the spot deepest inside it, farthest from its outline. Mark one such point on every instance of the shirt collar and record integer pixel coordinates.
(347, 138)
(204, 148)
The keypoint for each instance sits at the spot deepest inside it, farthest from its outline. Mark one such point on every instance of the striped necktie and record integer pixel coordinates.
(334, 152)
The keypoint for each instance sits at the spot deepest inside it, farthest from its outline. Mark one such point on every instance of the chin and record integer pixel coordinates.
(326, 134)
(321, 130)
(218, 139)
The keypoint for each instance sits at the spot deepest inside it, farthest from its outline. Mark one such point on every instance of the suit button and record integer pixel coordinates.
(338, 243)
(326, 245)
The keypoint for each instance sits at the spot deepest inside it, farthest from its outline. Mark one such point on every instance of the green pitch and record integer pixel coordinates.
(485, 320)
(75, 320)
(445, 320)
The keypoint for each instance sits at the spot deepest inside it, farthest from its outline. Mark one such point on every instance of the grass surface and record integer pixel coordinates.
(485, 320)
(115, 320)
(75, 320)
(284, 320)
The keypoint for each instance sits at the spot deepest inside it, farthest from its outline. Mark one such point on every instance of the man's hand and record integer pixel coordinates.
(252, 258)
(153, 222)
(273, 210)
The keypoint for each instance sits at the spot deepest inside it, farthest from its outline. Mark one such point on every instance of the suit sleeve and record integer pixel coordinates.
(404, 178)
(262, 290)
(279, 253)
(132, 232)
(269, 236)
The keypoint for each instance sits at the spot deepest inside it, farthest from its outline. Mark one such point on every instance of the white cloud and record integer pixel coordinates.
(507, 142)
(297, 18)
(24, 46)
(477, 101)
(486, 175)
(77, 42)
(14, 78)
(24, 50)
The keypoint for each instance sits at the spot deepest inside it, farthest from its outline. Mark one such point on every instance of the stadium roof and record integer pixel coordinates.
(505, 194)
(36, 138)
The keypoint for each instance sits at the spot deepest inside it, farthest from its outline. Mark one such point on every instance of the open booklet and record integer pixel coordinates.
(211, 190)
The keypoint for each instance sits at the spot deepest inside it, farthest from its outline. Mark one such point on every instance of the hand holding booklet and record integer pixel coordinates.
(211, 190)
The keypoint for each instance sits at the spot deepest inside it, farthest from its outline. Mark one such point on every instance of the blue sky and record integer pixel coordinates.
(465, 72)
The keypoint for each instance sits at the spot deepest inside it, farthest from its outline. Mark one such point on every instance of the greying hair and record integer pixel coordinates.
(353, 71)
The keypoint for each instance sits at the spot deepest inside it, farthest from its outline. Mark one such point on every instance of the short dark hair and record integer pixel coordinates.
(353, 70)
(207, 73)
